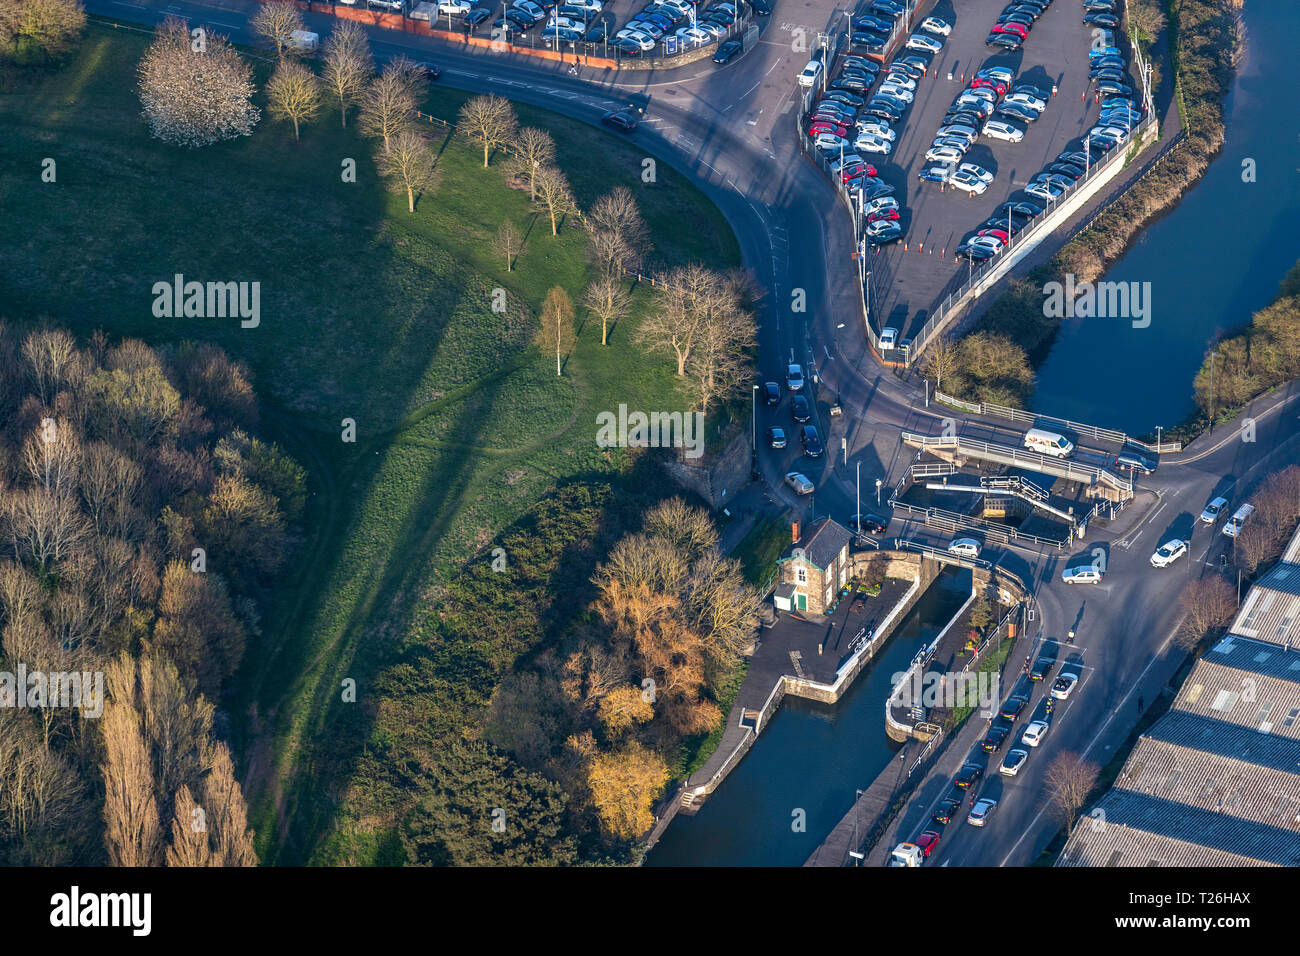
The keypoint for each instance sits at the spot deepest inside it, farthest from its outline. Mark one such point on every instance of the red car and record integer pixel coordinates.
(888, 215)
(825, 126)
(1016, 29)
(984, 82)
(1000, 234)
(855, 170)
(927, 841)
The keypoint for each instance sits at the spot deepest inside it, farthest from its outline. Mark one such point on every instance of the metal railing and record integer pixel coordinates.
(956, 521)
(1007, 454)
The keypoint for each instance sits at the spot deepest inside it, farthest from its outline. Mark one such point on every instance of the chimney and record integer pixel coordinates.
(794, 533)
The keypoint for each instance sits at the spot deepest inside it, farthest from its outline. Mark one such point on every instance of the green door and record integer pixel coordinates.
(803, 602)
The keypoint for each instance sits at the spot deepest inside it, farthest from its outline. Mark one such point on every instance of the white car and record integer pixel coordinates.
(901, 79)
(957, 129)
(1013, 761)
(1045, 191)
(831, 142)
(968, 183)
(1084, 574)
(997, 73)
(965, 548)
(800, 483)
(981, 811)
(534, 12)
(903, 94)
(693, 36)
(991, 243)
(594, 6)
(888, 338)
(1025, 100)
(385, 4)
(996, 129)
(564, 23)
(455, 7)
(1064, 684)
(1034, 733)
(1168, 553)
(935, 25)
(876, 205)
(876, 129)
(920, 41)
(872, 144)
(979, 172)
(943, 154)
(644, 40)
(1213, 510)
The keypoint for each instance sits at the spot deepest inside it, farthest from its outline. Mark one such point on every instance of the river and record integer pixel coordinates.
(811, 757)
(1217, 257)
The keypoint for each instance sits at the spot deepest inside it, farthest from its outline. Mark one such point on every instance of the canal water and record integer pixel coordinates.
(1213, 261)
(811, 757)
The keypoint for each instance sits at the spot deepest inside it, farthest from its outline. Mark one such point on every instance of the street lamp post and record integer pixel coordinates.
(1159, 428)
(753, 426)
(857, 505)
(878, 483)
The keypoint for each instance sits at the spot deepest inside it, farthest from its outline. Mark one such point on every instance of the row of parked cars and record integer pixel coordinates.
(677, 18)
(1013, 24)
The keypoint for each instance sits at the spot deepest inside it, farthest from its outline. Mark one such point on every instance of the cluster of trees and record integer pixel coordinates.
(701, 319)
(554, 694)
(1205, 42)
(982, 367)
(1265, 354)
(41, 29)
(139, 525)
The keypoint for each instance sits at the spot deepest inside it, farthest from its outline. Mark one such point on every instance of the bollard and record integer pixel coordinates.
(941, 251)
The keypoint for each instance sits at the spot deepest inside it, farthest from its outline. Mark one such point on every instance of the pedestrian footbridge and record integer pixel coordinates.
(1098, 482)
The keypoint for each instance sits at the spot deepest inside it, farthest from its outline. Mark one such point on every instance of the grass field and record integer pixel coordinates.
(368, 313)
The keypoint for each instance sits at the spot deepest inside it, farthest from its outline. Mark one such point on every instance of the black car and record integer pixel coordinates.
(887, 100)
(599, 32)
(870, 42)
(873, 24)
(1042, 667)
(1128, 461)
(862, 63)
(913, 62)
(1011, 709)
(799, 409)
(772, 393)
(1073, 157)
(879, 112)
(811, 441)
(945, 811)
(1023, 19)
(1007, 40)
(1066, 169)
(1028, 9)
(844, 99)
(728, 51)
(761, 7)
(1010, 226)
(431, 71)
(995, 738)
(891, 8)
(477, 16)
(1021, 208)
(1108, 20)
(968, 775)
(579, 14)
(622, 120)
(870, 524)
(876, 190)
(1033, 91)
(963, 118)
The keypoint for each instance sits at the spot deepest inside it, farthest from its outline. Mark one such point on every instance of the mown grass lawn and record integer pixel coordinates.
(368, 313)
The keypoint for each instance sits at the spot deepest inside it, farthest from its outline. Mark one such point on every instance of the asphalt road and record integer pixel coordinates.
(731, 130)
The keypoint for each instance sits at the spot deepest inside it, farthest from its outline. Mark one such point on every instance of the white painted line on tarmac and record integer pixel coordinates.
(228, 26)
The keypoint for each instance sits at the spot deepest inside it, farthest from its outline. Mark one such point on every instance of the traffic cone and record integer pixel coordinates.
(941, 251)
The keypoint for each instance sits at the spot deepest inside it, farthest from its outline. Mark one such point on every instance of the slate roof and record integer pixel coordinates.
(821, 546)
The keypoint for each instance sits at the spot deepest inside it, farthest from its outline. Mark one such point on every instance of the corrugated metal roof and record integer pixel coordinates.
(1141, 830)
(1256, 656)
(1234, 697)
(1271, 610)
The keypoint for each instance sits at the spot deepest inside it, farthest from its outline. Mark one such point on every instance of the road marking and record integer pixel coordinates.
(228, 26)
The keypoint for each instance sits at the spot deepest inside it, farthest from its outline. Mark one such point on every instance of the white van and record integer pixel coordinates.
(302, 41)
(811, 74)
(1048, 443)
(1233, 527)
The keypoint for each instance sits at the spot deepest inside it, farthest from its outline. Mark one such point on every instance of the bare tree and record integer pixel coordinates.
(53, 456)
(388, 104)
(293, 93)
(190, 845)
(348, 65)
(409, 165)
(232, 841)
(619, 237)
(554, 194)
(275, 20)
(52, 26)
(52, 357)
(609, 301)
(1069, 780)
(721, 360)
(193, 98)
(132, 831)
(1208, 605)
(557, 324)
(534, 149)
(683, 301)
(490, 120)
(940, 360)
(508, 243)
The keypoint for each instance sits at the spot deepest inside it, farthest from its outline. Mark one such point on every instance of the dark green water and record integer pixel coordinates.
(1212, 261)
(810, 757)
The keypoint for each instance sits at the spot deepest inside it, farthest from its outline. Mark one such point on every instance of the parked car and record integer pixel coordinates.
(776, 437)
(968, 183)
(1232, 527)
(800, 409)
(811, 441)
(1000, 129)
(1168, 553)
(923, 41)
(936, 26)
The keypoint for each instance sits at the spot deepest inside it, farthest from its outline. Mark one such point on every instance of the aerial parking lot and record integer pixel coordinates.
(934, 196)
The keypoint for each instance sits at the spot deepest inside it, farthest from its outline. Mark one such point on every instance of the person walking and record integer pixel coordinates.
(1140, 702)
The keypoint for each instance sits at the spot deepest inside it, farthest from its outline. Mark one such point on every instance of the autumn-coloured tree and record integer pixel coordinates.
(623, 788)
(554, 194)
(609, 301)
(51, 26)
(275, 20)
(1208, 605)
(348, 65)
(293, 93)
(388, 105)
(133, 835)
(192, 98)
(232, 841)
(1069, 780)
(556, 325)
(534, 150)
(409, 166)
(624, 707)
(490, 120)
(197, 627)
(508, 243)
